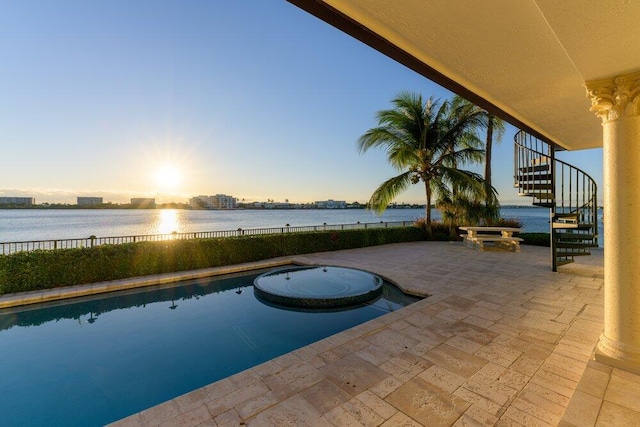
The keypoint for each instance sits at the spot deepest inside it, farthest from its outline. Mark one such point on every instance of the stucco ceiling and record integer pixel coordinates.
(528, 58)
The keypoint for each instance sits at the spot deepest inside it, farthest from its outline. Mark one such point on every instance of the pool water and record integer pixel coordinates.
(91, 361)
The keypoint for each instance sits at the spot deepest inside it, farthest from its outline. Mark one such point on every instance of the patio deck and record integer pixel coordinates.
(501, 340)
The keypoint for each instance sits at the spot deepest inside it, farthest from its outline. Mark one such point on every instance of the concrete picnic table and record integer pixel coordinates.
(476, 236)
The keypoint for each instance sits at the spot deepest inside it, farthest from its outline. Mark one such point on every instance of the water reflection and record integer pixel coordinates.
(89, 309)
(168, 221)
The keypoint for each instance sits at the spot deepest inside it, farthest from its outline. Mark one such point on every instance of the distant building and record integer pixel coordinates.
(89, 201)
(21, 201)
(199, 202)
(331, 204)
(143, 202)
(282, 205)
(219, 201)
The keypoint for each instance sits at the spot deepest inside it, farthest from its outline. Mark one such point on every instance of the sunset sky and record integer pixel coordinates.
(172, 99)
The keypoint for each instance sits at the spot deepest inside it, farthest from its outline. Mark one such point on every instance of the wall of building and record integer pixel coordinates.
(23, 201)
(89, 201)
(219, 201)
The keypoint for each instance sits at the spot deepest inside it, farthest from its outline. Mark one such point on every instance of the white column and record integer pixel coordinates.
(617, 102)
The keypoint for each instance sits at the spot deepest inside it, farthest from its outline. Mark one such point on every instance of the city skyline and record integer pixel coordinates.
(155, 99)
(92, 200)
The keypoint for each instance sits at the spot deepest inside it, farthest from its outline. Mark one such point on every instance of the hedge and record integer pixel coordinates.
(27, 271)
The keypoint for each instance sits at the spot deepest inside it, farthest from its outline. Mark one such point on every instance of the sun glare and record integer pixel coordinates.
(168, 177)
(168, 222)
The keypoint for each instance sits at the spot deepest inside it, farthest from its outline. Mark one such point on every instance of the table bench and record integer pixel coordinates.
(476, 236)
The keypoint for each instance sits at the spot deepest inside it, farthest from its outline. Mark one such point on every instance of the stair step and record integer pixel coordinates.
(566, 215)
(571, 254)
(547, 196)
(532, 185)
(543, 204)
(535, 187)
(535, 177)
(575, 226)
(574, 236)
(564, 226)
(537, 168)
(543, 160)
(582, 243)
(573, 245)
(565, 221)
(572, 225)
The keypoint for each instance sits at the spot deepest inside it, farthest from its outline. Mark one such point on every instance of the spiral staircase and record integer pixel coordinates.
(569, 193)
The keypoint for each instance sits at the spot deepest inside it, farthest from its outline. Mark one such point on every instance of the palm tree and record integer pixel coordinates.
(495, 127)
(426, 141)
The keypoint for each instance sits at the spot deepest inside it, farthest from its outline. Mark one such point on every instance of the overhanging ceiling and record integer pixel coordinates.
(526, 60)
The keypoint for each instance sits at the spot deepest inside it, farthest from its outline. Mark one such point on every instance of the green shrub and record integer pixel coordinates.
(26, 271)
(506, 222)
(439, 230)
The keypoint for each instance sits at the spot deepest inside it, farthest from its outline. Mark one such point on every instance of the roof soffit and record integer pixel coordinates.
(528, 58)
(602, 37)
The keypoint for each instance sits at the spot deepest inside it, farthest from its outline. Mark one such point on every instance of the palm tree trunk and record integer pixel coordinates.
(487, 161)
(454, 198)
(427, 222)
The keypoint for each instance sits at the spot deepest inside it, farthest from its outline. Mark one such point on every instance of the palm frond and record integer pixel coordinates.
(465, 155)
(428, 140)
(379, 137)
(463, 180)
(388, 191)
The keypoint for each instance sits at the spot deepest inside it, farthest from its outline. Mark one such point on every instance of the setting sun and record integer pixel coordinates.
(168, 177)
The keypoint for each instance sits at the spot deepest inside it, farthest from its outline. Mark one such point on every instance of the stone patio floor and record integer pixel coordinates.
(501, 340)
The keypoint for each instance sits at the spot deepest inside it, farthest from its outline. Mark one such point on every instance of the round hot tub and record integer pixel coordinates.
(319, 287)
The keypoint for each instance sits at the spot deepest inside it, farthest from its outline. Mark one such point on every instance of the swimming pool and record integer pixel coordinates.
(91, 361)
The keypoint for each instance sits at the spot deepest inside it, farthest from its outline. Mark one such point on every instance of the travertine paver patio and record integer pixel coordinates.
(501, 340)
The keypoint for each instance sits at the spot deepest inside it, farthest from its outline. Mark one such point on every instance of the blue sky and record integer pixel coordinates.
(171, 99)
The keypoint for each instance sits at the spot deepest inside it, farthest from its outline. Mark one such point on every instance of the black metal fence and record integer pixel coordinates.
(8, 248)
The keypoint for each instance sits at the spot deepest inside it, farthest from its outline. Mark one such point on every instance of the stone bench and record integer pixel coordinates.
(476, 236)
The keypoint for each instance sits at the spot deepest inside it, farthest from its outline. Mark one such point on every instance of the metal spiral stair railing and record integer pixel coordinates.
(567, 191)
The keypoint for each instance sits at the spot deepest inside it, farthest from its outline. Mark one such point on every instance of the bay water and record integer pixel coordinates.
(18, 225)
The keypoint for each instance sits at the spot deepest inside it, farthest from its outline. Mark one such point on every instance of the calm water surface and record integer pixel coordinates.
(21, 225)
